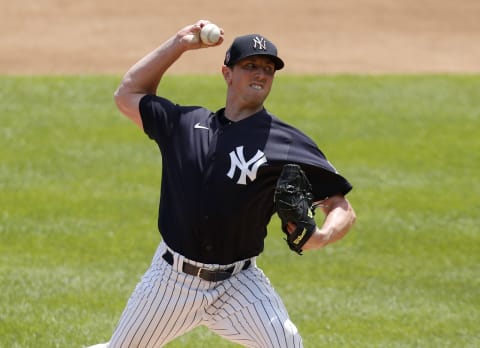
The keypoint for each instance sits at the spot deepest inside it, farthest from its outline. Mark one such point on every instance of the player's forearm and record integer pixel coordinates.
(339, 219)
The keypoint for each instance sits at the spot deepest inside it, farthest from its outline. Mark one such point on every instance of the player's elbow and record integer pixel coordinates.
(346, 216)
(128, 104)
(120, 97)
(353, 216)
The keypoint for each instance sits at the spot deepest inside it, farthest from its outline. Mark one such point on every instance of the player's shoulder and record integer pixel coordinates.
(279, 122)
(287, 128)
(151, 103)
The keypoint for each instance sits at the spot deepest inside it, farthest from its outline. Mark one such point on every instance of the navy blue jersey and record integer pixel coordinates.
(218, 177)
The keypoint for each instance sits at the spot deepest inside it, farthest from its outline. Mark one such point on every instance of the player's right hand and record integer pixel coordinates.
(190, 35)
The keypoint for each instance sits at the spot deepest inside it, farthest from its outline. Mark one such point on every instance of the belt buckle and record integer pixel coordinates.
(206, 274)
(200, 269)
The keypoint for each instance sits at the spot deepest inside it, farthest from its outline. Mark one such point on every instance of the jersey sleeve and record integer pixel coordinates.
(326, 183)
(325, 179)
(158, 116)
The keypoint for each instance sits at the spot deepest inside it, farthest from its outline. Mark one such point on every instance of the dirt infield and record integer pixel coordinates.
(355, 36)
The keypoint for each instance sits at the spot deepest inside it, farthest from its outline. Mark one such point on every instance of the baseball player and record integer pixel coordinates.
(219, 175)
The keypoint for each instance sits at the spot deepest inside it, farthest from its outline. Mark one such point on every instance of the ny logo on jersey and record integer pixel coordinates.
(259, 43)
(237, 160)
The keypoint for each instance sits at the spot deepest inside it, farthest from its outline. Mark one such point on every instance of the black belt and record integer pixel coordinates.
(205, 274)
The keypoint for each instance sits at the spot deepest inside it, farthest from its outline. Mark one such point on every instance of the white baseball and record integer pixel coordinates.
(210, 34)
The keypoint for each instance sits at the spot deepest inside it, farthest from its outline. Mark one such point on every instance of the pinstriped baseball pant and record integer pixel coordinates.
(167, 303)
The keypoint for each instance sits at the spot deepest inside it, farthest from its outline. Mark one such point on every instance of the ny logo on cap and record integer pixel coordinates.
(260, 42)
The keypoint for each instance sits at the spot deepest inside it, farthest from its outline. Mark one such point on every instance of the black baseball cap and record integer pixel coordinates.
(252, 45)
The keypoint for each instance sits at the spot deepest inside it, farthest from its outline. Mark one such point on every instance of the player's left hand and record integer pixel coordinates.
(293, 201)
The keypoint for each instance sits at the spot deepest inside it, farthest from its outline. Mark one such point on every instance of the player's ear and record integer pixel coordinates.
(227, 74)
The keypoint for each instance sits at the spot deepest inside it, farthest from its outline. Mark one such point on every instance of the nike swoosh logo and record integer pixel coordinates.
(199, 126)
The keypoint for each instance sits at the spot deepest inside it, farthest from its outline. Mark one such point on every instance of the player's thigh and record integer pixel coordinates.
(157, 312)
(252, 314)
(259, 325)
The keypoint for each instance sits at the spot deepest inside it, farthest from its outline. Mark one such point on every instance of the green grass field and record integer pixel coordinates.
(80, 185)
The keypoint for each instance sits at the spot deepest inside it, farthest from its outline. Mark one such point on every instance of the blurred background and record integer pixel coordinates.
(323, 36)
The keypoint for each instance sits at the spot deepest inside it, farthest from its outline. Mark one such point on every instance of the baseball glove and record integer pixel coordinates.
(293, 200)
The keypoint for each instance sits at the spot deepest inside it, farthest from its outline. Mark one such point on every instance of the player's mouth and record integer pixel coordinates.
(256, 86)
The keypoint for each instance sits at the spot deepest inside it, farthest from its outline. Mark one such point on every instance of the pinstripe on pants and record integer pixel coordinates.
(167, 303)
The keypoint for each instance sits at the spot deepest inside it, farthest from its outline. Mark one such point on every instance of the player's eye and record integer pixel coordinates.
(267, 69)
(250, 67)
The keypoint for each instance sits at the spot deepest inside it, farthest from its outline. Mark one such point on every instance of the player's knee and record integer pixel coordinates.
(292, 336)
(290, 328)
(100, 345)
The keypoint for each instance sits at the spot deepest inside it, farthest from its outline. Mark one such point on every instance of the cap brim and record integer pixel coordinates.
(279, 64)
